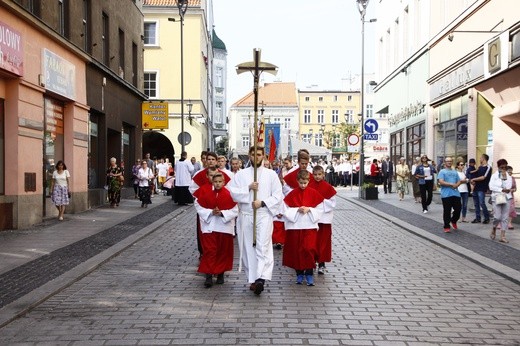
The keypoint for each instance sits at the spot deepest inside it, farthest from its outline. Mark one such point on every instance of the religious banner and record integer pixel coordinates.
(272, 140)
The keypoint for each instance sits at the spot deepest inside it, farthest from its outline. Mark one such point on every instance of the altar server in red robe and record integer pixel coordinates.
(303, 208)
(217, 213)
(291, 178)
(328, 192)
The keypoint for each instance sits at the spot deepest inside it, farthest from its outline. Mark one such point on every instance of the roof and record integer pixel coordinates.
(169, 3)
(272, 94)
(217, 42)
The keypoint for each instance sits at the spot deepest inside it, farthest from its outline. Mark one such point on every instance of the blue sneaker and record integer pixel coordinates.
(299, 279)
(310, 280)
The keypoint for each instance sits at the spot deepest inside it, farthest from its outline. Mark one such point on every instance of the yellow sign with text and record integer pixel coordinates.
(154, 115)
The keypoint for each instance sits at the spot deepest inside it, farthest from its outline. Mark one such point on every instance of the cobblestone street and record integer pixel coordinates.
(384, 286)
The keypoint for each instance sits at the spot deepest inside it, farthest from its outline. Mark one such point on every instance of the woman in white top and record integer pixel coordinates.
(500, 184)
(60, 188)
(463, 189)
(145, 175)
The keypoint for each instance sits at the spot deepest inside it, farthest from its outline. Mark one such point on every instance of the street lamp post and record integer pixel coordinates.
(362, 7)
(183, 7)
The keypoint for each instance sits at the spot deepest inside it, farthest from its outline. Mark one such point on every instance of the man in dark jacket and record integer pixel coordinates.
(387, 168)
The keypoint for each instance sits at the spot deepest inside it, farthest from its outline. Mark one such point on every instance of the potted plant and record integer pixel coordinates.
(369, 191)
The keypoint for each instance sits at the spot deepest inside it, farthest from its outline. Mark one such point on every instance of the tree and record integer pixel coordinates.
(222, 146)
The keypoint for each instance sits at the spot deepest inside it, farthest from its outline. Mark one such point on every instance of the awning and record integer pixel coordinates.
(383, 110)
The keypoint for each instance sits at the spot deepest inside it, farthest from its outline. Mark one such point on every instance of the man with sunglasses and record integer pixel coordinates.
(449, 181)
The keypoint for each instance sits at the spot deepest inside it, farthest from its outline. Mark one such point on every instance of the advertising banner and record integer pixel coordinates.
(11, 50)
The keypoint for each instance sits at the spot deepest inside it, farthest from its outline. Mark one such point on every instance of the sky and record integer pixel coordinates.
(313, 42)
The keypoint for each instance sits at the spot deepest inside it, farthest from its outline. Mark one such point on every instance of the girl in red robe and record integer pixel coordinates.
(324, 242)
(302, 210)
(217, 213)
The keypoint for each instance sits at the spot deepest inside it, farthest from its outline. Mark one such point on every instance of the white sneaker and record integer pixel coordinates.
(425, 211)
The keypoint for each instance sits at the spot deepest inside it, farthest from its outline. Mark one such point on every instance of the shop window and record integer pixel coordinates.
(53, 144)
(2, 148)
(415, 144)
(94, 167)
(451, 139)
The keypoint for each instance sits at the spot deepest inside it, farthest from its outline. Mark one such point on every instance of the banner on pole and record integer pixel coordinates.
(272, 142)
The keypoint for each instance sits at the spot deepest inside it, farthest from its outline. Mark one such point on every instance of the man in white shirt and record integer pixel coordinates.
(183, 170)
(162, 172)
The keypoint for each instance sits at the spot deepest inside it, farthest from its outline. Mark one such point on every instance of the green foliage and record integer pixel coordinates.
(222, 146)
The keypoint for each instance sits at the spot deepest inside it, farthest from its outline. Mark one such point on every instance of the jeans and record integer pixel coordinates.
(479, 199)
(426, 193)
(448, 204)
(464, 200)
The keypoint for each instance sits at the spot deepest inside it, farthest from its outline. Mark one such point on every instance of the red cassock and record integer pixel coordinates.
(300, 244)
(291, 179)
(324, 241)
(217, 246)
(278, 232)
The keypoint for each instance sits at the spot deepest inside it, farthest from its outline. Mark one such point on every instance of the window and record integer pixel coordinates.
(306, 137)
(61, 18)
(87, 27)
(369, 111)
(335, 98)
(349, 98)
(307, 98)
(320, 99)
(277, 121)
(94, 168)
(415, 143)
(218, 113)
(53, 143)
(219, 83)
(121, 53)
(245, 123)
(336, 141)
(134, 63)
(335, 116)
(105, 38)
(150, 34)
(307, 116)
(321, 116)
(287, 123)
(349, 116)
(150, 84)
(245, 141)
(318, 139)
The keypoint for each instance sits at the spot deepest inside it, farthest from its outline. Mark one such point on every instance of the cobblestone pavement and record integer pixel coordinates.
(385, 286)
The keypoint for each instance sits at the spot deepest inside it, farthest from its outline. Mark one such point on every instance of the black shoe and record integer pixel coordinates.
(486, 221)
(259, 287)
(220, 279)
(209, 281)
(476, 221)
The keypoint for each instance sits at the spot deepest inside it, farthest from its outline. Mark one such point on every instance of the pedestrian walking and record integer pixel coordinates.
(217, 213)
(387, 169)
(449, 181)
(480, 182)
(463, 190)
(303, 208)
(402, 174)
(424, 173)
(60, 188)
(255, 240)
(114, 180)
(512, 207)
(500, 185)
(324, 237)
(415, 181)
(145, 176)
(135, 178)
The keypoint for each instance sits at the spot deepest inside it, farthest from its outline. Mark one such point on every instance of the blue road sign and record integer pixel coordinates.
(371, 125)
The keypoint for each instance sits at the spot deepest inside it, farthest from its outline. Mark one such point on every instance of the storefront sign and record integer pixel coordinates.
(380, 148)
(154, 115)
(458, 78)
(11, 50)
(408, 112)
(496, 54)
(60, 74)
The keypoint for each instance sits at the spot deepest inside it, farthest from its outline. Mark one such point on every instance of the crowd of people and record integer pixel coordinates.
(289, 205)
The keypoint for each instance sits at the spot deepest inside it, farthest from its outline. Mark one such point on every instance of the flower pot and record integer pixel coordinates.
(369, 193)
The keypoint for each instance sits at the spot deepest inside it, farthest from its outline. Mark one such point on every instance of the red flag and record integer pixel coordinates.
(272, 147)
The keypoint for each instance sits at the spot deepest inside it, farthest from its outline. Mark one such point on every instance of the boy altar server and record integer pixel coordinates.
(328, 192)
(302, 210)
(217, 212)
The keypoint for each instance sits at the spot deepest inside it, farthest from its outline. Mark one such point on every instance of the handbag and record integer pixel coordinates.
(501, 198)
